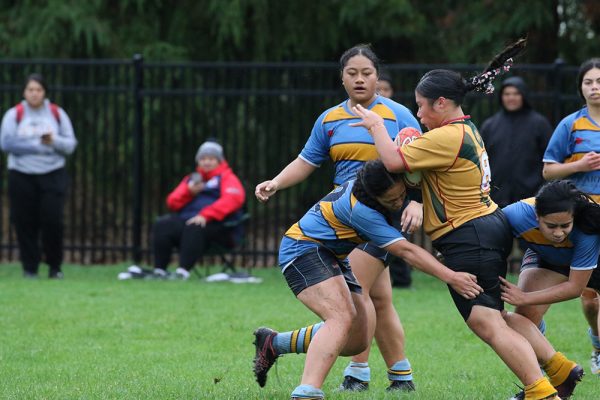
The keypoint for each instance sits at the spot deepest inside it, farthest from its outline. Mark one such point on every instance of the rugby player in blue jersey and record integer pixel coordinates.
(313, 257)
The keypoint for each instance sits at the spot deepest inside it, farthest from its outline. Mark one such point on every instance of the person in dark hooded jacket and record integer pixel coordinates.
(515, 140)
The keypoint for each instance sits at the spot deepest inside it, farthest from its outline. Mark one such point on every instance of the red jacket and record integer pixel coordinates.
(231, 199)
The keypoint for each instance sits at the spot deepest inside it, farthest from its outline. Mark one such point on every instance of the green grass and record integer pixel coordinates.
(93, 337)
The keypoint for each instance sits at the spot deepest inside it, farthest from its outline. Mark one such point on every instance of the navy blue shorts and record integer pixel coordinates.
(480, 247)
(374, 251)
(316, 266)
(531, 259)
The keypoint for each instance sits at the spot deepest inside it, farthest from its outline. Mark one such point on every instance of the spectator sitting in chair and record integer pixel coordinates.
(202, 202)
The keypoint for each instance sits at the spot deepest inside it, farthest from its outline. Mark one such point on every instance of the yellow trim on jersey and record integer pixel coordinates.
(307, 335)
(338, 114)
(294, 341)
(584, 124)
(341, 231)
(530, 201)
(535, 236)
(353, 200)
(353, 152)
(296, 233)
(384, 111)
(574, 157)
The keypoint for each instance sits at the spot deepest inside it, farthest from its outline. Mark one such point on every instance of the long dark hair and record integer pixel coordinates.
(451, 85)
(372, 181)
(563, 196)
(583, 69)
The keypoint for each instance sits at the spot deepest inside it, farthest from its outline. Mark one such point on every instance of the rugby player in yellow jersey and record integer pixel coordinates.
(465, 225)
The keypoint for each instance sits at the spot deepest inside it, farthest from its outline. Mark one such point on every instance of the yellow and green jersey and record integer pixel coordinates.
(456, 176)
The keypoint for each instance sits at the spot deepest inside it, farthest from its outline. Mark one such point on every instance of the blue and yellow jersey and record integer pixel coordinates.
(578, 251)
(456, 176)
(574, 136)
(337, 222)
(350, 147)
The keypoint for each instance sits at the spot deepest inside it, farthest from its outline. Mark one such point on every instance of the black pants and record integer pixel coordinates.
(37, 207)
(170, 231)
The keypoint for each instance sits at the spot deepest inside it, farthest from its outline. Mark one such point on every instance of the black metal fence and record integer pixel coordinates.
(139, 124)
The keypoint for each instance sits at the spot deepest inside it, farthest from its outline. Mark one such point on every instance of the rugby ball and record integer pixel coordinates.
(405, 136)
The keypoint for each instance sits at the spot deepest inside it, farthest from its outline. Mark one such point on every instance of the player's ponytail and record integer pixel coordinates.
(563, 196)
(451, 85)
(372, 181)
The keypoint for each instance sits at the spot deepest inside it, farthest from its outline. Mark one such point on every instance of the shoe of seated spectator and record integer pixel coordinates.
(159, 273)
(135, 272)
(182, 274)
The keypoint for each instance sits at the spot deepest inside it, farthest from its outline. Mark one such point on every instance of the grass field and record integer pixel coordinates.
(91, 336)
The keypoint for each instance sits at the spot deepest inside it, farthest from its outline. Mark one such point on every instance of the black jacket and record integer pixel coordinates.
(515, 143)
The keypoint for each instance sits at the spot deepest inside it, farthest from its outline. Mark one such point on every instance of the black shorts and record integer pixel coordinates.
(374, 251)
(480, 247)
(316, 266)
(531, 259)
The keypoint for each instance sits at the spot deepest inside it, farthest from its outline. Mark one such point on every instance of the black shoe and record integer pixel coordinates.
(265, 355)
(351, 384)
(518, 396)
(566, 389)
(56, 275)
(30, 275)
(521, 396)
(404, 386)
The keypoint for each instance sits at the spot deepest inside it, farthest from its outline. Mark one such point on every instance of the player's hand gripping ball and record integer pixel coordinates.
(405, 136)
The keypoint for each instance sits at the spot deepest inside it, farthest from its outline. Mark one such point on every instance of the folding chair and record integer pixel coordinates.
(226, 250)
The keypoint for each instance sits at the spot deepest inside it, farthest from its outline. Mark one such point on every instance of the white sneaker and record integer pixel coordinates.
(134, 269)
(182, 273)
(595, 362)
(160, 273)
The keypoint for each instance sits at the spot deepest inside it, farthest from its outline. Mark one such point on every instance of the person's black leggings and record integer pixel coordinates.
(170, 231)
(37, 207)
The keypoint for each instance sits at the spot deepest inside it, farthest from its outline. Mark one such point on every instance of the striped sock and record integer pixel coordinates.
(358, 370)
(558, 368)
(539, 389)
(542, 327)
(295, 341)
(595, 340)
(400, 371)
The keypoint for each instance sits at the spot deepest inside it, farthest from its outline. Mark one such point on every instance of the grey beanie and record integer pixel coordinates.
(210, 149)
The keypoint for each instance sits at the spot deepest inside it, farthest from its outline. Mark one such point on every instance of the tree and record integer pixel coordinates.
(401, 31)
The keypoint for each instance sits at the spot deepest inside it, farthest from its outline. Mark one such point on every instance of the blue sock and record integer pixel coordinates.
(400, 371)
(595, 340)
(295, 341)
(308, 392)
(360, 371)
(542, 327)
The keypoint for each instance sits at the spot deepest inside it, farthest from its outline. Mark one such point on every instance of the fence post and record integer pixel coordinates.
(138, 158)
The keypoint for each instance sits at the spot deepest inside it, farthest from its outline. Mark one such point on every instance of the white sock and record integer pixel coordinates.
(160, 272)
